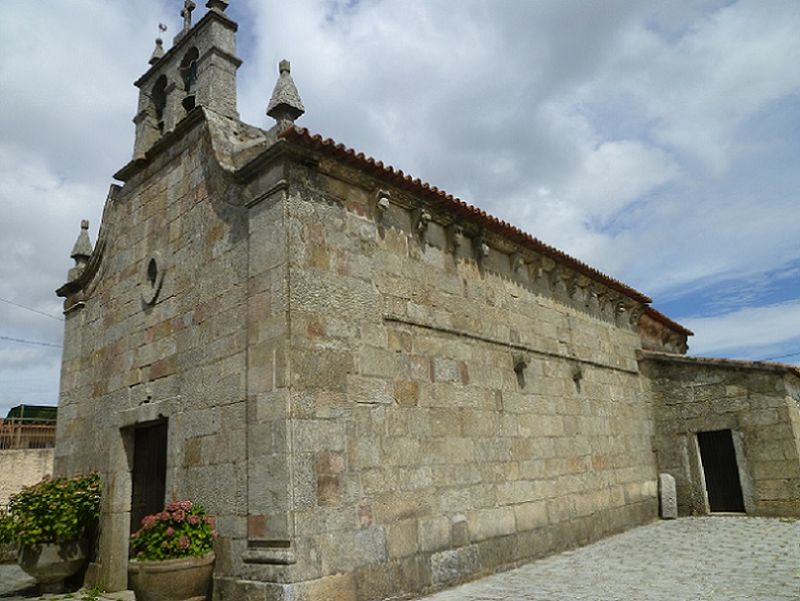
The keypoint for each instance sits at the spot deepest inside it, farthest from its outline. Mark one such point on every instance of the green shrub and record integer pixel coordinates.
(56, 510)
(181, 530)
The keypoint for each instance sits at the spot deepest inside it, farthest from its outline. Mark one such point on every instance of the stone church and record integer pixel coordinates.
(377, 389)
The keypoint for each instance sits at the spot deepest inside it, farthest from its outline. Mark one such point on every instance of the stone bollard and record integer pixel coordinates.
(667, 497)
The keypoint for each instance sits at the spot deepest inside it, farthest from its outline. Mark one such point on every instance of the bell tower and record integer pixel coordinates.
(198, 70)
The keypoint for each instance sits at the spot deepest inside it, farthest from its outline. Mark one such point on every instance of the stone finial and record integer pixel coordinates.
(285, 105)
(158, 52)
(83, 246)
(80, 252)
(217, 5)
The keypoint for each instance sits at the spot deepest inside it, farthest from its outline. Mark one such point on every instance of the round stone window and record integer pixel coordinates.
(152, 278)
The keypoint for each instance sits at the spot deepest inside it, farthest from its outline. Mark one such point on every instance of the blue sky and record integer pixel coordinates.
(657, 141)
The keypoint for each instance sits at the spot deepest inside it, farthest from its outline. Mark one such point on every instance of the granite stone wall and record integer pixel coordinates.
(370, 400)
(132, 356)
(447, 418)
(760, 404)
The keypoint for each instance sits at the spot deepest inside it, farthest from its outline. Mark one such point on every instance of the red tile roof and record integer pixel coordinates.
(414, 186)
(659, 316)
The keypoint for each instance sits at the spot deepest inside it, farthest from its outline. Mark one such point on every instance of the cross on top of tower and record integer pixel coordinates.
(186, 13)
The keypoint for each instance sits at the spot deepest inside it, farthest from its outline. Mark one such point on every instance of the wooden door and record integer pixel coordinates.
(149, 471)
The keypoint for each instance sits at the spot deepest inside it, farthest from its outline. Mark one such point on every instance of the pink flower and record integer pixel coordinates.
(173, 505)
(184, 542)
(194, 520)
(163, 516)
(170, 531)
(149, 521)
(179, 515)
(186, 505)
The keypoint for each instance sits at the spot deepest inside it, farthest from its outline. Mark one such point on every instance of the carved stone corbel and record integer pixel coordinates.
(384, 200)
(481, 248)
(455, 236)
(535, 268)
(561, 280)
(546, 270)
(517, 263)
(577, 290)
(634, 315)
(593, 300)
(421, 222)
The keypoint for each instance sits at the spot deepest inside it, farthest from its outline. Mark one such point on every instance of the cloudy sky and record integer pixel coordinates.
(658, 141)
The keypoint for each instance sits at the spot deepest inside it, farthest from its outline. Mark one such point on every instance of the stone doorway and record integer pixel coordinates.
(721, 471)
(149, 473)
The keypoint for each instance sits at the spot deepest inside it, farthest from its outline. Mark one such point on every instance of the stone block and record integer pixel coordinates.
(406, 393)
(369, 391)
(488, 523)
(402, 538)
(434, 533)
(459, 530)
(530, 515)
(667, 496)
(454, 565)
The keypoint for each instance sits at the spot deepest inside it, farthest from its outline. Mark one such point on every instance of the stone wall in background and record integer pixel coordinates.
(22, 467)
(757, 402)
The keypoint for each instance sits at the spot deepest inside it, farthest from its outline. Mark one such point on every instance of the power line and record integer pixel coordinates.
(23, 341)
(782, 356)
(31, 309)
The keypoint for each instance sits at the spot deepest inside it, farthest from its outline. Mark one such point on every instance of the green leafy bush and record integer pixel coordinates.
(56, 510)
(6, 532)
(182, 530)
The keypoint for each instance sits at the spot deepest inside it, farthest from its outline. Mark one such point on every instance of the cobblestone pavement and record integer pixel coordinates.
(15, 584)
(690, 559)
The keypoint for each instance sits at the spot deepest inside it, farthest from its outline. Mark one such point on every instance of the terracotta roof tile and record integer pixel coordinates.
(659, 316)
(456, 205)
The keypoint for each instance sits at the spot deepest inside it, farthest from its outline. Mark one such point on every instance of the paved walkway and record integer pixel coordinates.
(15, 584)
(690, 559)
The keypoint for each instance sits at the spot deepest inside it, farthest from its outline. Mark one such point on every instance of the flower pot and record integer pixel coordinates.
(183, 579)
(51, 563)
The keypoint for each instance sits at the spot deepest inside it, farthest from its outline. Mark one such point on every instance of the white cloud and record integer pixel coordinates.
(761, 330)
(629, 134)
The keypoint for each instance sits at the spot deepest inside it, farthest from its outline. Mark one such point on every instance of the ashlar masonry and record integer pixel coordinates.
(377, 389)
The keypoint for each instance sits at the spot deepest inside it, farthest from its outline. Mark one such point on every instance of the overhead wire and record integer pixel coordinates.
(31, 309)
(24, 341)
(795, 354)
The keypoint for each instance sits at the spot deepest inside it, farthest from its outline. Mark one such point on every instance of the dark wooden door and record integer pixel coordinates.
(149, 471)
(721, 471)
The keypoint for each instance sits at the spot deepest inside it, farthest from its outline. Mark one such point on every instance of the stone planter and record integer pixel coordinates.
(51, 563)
(184, 579)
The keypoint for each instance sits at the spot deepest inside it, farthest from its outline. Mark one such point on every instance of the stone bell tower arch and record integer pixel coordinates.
(198, 70)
